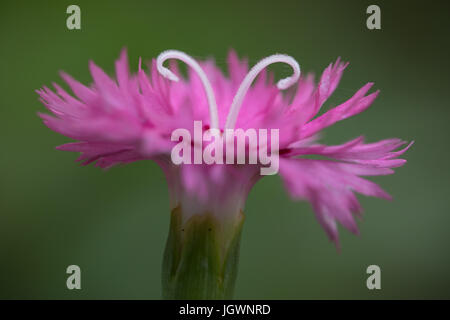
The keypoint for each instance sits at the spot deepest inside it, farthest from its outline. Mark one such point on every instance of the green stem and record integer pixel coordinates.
(201, 257)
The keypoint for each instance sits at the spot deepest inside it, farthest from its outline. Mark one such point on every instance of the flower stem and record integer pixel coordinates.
(201, 257)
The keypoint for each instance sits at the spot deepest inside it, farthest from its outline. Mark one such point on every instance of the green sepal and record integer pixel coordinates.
(201, 257)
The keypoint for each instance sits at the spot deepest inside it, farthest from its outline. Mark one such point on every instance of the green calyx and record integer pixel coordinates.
(201, 257)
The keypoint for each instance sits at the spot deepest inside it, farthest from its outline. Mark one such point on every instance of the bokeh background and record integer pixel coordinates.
(113, 224)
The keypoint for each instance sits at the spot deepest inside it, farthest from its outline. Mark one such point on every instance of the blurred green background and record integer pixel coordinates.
(114, 224)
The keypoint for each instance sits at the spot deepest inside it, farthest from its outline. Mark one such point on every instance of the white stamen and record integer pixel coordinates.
(248, 80)
(165, 72)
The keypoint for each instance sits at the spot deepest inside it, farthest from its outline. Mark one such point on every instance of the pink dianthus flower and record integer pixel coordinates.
(132, 117)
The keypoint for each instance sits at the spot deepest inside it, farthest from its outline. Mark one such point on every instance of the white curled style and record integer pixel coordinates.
(250, 77)
(165, 72)
(243, 88)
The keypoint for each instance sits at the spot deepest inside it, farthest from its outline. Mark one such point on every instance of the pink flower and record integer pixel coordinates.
(133, 116)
